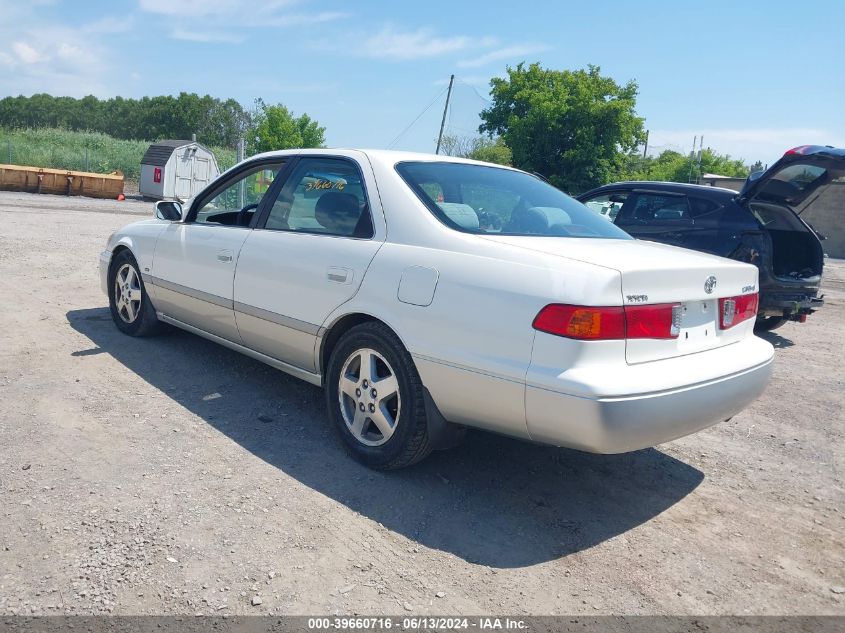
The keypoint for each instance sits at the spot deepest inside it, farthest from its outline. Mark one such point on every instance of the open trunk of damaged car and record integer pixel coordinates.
(793, 257)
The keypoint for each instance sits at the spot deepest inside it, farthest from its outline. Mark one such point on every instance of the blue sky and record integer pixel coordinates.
(753, 77)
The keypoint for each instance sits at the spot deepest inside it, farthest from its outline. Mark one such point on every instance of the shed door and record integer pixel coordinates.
(201, 172)
(184, 173)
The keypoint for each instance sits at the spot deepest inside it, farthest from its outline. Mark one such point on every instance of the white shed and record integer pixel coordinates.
(176, 169)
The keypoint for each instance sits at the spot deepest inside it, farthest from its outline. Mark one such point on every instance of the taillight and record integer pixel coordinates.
(661, 321)
(735, 310)
(798, 151)
(581, 322)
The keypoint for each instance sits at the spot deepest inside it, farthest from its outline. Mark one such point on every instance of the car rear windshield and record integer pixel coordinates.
(491, 200)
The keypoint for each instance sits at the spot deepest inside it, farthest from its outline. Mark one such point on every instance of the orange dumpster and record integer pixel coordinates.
(60, 181)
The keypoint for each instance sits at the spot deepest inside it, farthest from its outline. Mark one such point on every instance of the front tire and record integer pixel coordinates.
(375, 398)
(131, 309)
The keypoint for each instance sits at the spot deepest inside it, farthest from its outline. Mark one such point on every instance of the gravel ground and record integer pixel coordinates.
(170, 475)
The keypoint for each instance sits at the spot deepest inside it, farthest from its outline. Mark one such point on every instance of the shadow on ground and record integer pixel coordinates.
(493, 501)
(777, 341)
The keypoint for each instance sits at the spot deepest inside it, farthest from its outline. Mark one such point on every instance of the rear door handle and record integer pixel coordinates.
(339, 275)
(224, 256)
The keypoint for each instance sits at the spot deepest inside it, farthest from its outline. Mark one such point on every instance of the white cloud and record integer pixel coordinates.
(508, 52)
(203, 36)
(109, 25)
(26, 53)
(225, 20)
(201, 8)
(394, 44)
(39, 55)
(748, 144)
(297, 19)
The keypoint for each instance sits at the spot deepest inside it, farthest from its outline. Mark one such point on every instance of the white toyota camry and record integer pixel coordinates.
(429, 294)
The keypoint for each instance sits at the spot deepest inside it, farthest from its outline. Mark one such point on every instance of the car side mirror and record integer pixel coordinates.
(169, 210)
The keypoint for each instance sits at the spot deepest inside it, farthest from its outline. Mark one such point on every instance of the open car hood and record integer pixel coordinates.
(798, 178)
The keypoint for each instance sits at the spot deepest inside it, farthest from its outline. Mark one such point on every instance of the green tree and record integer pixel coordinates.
(756, 166)
(574, 127)
(673, 166)
(277, 128)
(215, 122)
(490, 150)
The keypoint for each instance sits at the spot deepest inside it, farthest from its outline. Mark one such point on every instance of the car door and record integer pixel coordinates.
(193, 266)
(307, 256)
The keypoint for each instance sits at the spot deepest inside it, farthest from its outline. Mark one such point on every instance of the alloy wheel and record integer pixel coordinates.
(127, 293)
(369, 397)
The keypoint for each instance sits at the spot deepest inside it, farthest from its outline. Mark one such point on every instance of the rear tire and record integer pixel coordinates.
(767, 324)
(375, 398)
(131, 309)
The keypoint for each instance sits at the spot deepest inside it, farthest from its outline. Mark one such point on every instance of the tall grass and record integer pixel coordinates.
(62, 149)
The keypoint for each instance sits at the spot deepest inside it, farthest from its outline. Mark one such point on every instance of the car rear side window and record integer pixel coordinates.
(648, 208)
(492, 200)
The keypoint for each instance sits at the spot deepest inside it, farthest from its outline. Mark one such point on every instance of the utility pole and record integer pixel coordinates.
(700, 146)
(645, 149)
(445, 109)
(692, 157)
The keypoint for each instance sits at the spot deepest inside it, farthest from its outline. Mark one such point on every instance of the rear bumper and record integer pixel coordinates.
(621, 423)
(789, 303)
(104, 263)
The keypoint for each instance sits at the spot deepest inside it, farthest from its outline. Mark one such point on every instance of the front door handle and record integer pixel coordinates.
(224, 256)
(339, 275)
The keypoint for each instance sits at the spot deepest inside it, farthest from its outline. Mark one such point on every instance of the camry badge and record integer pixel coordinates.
(709, 284)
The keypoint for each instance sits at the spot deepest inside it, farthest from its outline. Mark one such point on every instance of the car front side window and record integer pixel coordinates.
(234, 202)
(606, 205)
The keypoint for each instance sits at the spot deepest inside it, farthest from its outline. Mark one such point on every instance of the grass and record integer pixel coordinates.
(62, 149)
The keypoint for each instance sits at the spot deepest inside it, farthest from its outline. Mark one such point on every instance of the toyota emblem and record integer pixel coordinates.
(709, 284)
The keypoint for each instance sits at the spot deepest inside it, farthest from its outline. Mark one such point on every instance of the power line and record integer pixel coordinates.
(474, 89)
(419, 116)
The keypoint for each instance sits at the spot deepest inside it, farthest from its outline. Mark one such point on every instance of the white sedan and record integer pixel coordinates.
(428, 294)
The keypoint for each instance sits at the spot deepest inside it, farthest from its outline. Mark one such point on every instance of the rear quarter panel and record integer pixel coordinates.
(472, 344)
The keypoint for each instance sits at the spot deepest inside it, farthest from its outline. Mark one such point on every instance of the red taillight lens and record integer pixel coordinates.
(588, 323)
(581, 322)
(661, 320)
(801, 149)
(735, 310)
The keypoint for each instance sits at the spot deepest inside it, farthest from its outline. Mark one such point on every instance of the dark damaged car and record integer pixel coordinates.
(761, 224)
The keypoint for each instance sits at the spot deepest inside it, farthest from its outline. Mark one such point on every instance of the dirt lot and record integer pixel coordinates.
(170, 475)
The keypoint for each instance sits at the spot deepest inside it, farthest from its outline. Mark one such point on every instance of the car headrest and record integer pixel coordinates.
(461, 214)
(338, 212)
(553, 215)
(530, 220)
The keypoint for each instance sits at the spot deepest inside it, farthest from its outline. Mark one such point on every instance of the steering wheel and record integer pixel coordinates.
(242, 219)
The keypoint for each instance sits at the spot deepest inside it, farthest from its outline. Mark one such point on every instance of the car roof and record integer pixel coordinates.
(673, 187)
(386, 156)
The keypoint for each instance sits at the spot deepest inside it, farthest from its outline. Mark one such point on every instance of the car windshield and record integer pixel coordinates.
(491, 200)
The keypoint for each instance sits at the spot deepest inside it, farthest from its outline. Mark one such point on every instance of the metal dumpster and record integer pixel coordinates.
(60, 181)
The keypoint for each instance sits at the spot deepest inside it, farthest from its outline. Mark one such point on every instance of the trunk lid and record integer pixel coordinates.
(654, 273)
(798, 179)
